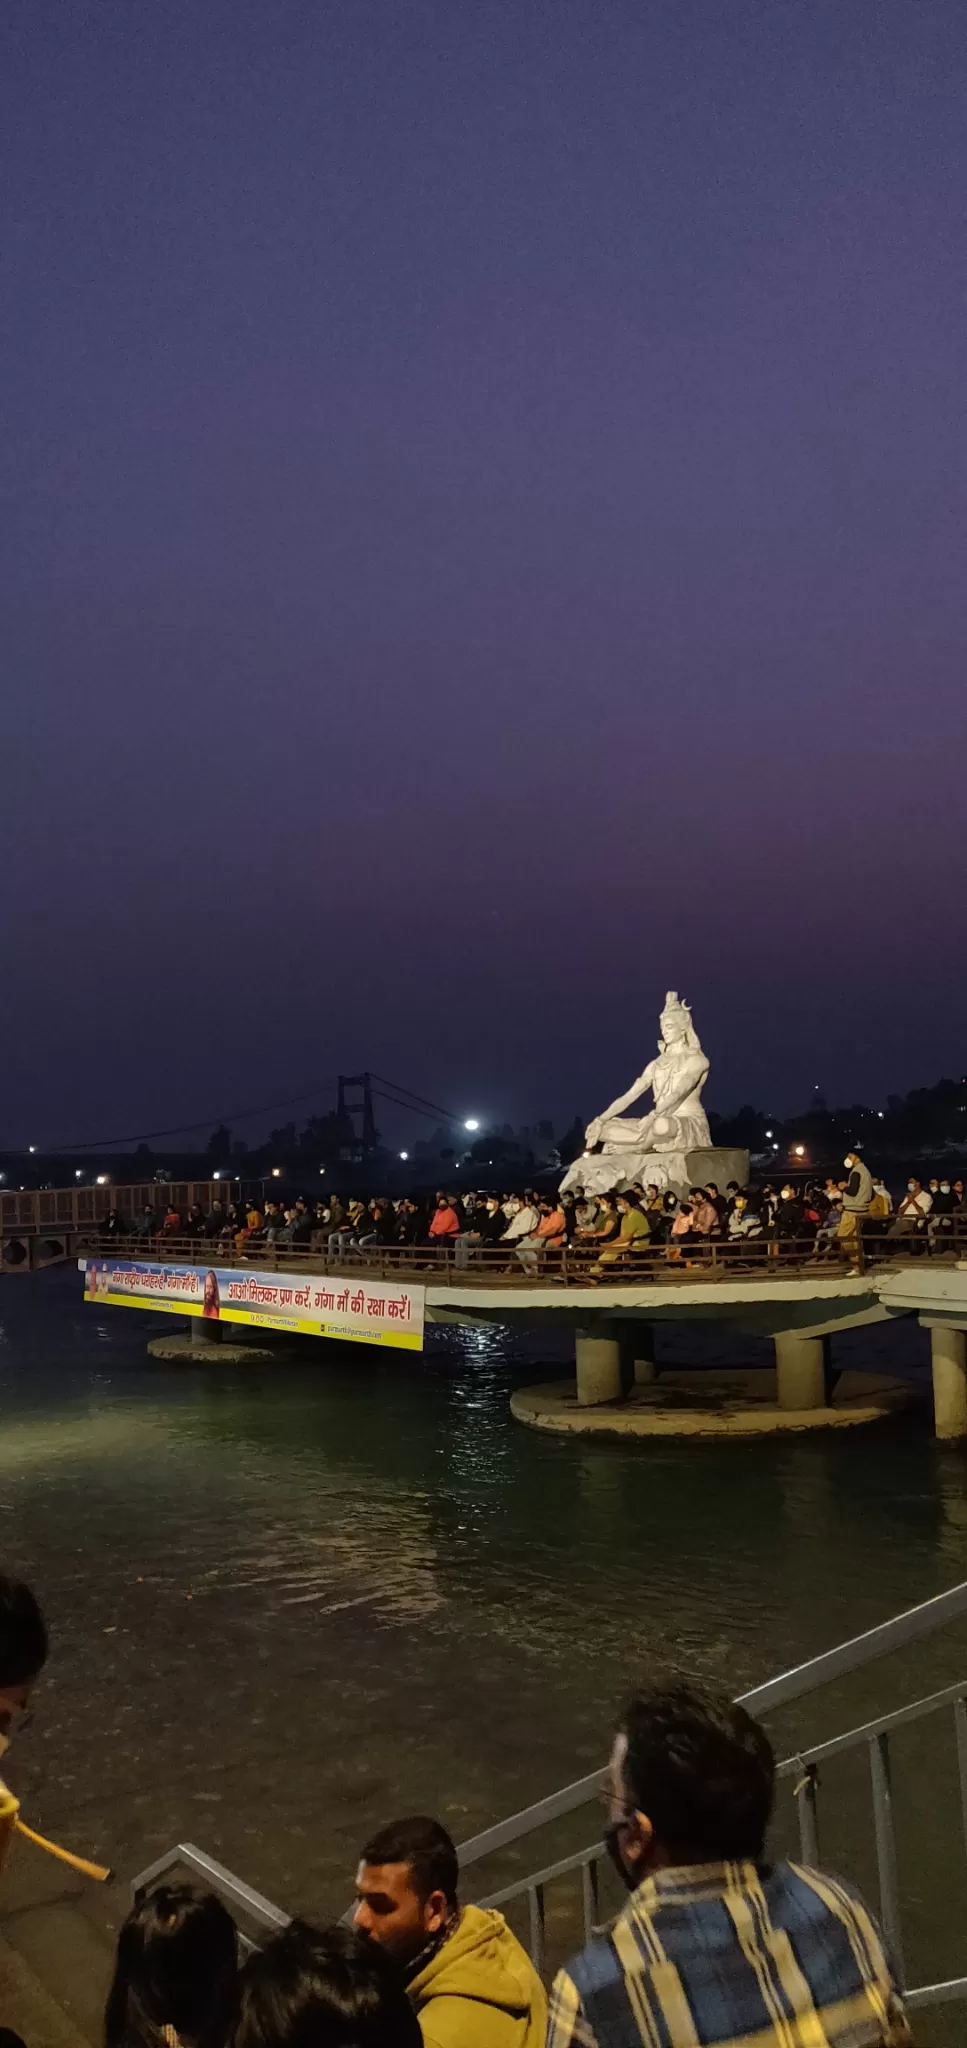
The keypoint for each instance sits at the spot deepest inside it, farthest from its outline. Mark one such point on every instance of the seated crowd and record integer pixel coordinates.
(718, 1943)
(819, 1216)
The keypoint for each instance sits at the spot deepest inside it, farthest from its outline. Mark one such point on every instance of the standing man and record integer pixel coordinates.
(857, 1196)
(715, 1946)
(472, 1984)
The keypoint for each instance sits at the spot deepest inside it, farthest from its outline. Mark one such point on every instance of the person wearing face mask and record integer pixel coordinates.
(942, 1214)
(882, 1202)
(857, 1196)
(716, 1945)
(911, 1216)
(788, 1225)
(524, 1219)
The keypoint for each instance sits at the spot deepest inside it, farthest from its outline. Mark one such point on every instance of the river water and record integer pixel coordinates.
(291, 1599)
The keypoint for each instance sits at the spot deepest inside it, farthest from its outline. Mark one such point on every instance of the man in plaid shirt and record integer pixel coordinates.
(717, 1949)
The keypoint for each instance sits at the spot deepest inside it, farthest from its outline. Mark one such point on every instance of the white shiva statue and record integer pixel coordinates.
(652, 1147)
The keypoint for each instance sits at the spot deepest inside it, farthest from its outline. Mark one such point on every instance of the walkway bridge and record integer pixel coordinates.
(562, 1898)
(782, 1290)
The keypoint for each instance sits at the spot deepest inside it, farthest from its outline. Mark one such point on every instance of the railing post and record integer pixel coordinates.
(886, 1848)
(535, 1899)
(589, 1897)
(807, 1805)
(960, 1723)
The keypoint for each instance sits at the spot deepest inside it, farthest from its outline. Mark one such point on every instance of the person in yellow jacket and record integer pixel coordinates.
(469, 1979)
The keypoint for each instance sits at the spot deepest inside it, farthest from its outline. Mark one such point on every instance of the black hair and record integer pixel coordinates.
(426, 1847)
(23, 1633)
(177, 1966)
(308, 1989)
(702, 1770)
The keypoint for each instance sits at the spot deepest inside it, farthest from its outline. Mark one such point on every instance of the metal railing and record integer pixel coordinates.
(250, 1905)
(77, 1208)
(803, 1768)
(470, 1265)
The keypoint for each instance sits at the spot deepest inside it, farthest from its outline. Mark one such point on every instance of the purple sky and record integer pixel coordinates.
(483, 507)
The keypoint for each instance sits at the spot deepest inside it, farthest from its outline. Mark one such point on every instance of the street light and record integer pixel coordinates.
(768, 1134)
(276, 1173)
(102, 1180)
(78, 1173)
(471, 1123)
(31, 1148)
(404, 1155)
(800, 1151)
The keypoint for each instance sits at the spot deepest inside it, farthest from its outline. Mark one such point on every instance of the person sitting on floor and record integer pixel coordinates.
(470, 1981)
(705, 1216)
(743, 1221)
(176, 1974)
(634, 1231)
(444, 1224)
(549, 1235)
(311, 1989)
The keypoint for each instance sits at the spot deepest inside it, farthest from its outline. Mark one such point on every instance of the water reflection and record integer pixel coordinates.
(351, 1583)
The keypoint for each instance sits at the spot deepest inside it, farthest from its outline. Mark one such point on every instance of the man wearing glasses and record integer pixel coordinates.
(717, 1946)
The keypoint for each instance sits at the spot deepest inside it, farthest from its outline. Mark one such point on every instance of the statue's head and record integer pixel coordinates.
(676, 1023)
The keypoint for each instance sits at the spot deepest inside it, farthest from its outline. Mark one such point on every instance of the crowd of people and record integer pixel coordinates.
(716, 1945)
(821, 1217)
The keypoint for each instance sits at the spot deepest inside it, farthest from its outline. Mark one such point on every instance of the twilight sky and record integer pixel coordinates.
(483, 540)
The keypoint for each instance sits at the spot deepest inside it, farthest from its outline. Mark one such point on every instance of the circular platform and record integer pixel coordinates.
(707, 1404)
(184, 1352)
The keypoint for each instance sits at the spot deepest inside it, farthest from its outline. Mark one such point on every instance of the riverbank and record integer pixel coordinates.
(292, 1597)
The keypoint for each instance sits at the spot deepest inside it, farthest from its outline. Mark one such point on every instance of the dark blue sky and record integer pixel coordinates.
(483, 541)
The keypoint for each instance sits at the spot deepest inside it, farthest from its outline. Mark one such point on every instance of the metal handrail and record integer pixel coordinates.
(905, 1628)
(803, 1767)
(234, 1890)
(711, 1260)
(775, 1692)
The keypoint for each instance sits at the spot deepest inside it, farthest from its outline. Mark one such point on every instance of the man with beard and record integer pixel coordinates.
(470, 1981)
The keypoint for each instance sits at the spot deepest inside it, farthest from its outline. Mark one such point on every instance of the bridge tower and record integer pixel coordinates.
(355, 1111)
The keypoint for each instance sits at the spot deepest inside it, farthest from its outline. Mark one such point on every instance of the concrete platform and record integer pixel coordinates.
(706, 1404)
(183, 1351)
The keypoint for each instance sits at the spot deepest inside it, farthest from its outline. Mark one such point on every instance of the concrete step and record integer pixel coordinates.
(30, 2010)
(57, 1945)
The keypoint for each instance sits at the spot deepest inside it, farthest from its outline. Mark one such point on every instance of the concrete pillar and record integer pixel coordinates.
(205, 1331)
(948, 1350)
(799, 1370)
(598, 1361)
(642, 1347)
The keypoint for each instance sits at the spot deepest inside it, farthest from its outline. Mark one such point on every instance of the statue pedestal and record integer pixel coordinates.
(601, 1173)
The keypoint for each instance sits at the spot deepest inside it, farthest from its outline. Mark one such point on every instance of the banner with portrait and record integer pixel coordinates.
(357, 1309)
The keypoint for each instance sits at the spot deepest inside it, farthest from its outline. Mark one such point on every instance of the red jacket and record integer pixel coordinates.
(444, 1223)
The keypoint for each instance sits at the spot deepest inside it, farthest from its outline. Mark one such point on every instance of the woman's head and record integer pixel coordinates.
(307, 1989)
(177, 1967)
